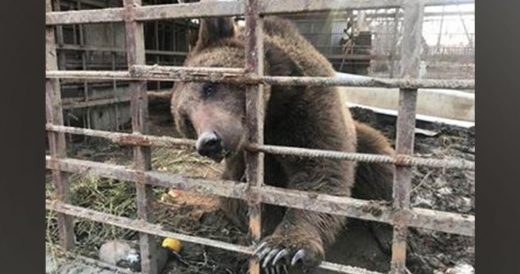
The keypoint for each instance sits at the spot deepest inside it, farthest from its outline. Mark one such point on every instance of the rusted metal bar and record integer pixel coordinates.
(84, 67)
(118, 50)
(254, 50)
(93, 103)
(223, 8)
(165, 141)
(57, 142)
(90, 75)
(403, 177)
(364, 81)
(191, 10)
(344, 206)
(447, 2)
(192, 74)
(301, 6)
(62, 60)
(395, 35)
(410, 60)
(232, 75)
(117, 95)
(138, 225)
(125, 138)
(85, 16)
(400, 160)
(145, 227)
(139, 113)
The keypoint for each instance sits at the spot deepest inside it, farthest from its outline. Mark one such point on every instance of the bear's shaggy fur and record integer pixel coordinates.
(296, 116)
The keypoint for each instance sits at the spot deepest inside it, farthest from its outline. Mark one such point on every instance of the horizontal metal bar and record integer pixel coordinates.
(93, 103)
(369, 82)
(234, 75)
(85, 16)
(149, 228)
(302, 6)
(222, 8)
(190, 10)
(72, 47)
(447, 2)
(124, 138)
(343, 206)
(139, 225)
(89, 74)
(150, 140)
(400, 160)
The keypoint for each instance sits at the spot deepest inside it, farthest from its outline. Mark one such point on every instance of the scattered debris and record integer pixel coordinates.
(197, 215)
(461, 269)
(126, 254)
(425, 132)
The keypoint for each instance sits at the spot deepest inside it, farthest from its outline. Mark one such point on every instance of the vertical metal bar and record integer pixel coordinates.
(470, 41)
(113, 66)
(394, 41)
(57, 143)
(254, 116)
(173, 59)
(62, 61)
(139, 111)
(439, 38)
(84, 66)
(410, 60)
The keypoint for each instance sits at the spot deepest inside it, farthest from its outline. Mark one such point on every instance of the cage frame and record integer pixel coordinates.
(399, 214)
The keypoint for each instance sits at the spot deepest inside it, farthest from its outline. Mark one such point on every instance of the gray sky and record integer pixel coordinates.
(453, 29)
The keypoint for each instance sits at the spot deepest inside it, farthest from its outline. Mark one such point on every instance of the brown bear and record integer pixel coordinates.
(296, 116)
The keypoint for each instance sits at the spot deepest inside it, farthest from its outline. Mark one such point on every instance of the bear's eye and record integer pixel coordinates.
(208, 89)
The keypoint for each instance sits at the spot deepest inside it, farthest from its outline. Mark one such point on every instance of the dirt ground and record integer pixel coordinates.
(430, 252)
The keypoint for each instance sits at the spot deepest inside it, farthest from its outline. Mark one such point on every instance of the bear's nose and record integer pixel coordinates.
(209, 144)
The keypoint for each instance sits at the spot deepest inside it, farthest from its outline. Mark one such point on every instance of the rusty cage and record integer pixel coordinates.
(133, 14)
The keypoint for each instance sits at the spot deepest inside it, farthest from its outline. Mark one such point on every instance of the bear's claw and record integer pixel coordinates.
(275, 260)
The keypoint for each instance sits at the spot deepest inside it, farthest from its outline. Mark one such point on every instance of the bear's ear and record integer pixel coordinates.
(214, 29)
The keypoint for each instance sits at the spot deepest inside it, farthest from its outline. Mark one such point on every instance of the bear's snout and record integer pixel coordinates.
(209, 144)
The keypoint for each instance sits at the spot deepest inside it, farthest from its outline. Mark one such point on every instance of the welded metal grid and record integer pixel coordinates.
(399, 214)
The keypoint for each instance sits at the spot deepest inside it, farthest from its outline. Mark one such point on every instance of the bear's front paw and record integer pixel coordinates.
(276, 253)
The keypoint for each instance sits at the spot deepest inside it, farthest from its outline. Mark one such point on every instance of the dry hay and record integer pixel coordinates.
(440, 189)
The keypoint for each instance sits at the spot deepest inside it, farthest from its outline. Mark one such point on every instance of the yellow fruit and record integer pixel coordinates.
(172, 244)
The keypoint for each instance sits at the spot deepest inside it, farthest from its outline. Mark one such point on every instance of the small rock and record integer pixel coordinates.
(422, 202)
(425, 132)
(438, 183)
(461, 269)
(445, 191)
(465, 205)
(126, 254)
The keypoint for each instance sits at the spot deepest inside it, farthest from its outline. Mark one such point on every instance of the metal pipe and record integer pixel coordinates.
(165, 141)
(224, 8)
(57, 142)
(145, 227)
(378, 211)
(255, 115)
(232, 75)
(405, 127)
(139, 113)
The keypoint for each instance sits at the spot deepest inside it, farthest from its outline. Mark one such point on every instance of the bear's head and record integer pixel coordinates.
(213, 113)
